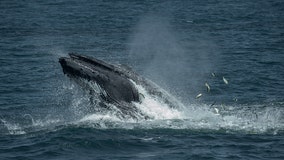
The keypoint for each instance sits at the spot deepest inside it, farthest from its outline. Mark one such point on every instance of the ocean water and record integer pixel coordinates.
(180, 45)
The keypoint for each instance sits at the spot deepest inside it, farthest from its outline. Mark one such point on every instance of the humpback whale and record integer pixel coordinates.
(117, 84)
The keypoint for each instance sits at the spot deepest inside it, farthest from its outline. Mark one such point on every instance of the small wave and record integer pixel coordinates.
(247, 119)
(251, 119)
(12, 129)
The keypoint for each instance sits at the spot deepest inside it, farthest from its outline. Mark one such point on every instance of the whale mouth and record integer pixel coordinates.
(92, 61)
(108, 84)
(114, 85)
(118, 87)
(77, 67)
(87, 67)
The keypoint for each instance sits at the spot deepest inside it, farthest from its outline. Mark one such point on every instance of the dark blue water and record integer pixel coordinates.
(180, 45)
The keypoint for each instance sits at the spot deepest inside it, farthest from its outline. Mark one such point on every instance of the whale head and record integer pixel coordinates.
(117, 87)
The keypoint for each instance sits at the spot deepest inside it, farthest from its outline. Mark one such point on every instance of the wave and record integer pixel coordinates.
(247, 119)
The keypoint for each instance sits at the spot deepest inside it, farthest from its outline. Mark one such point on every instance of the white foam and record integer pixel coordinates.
(155, 107)
(249, 119)
(13, 129)
(99, 117)
(193, 116)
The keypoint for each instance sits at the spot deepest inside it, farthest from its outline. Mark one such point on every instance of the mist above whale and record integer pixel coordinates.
(115, 84)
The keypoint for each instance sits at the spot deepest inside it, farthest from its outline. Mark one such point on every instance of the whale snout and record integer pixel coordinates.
(118, 87)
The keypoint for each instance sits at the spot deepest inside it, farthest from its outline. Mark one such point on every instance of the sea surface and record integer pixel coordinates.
(236, 47)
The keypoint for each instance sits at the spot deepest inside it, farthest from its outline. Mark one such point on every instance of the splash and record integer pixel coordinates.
(155, 107)
(229, 119)
(12, 129)
(248, 119)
